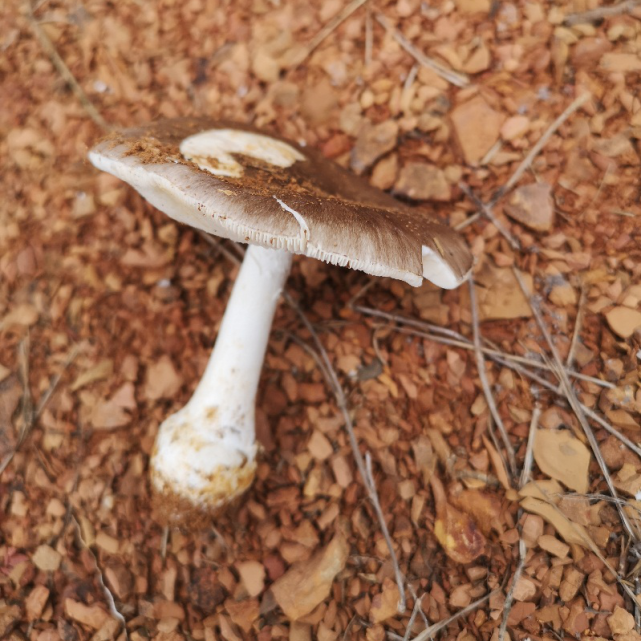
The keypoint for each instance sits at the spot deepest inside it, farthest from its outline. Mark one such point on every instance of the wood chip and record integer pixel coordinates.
(476, 127)
(385, 603)
(563, 457)
(624, 321)
(308, 583)
(93, 616)
(252, 576)
(46, 558)
(532, 206)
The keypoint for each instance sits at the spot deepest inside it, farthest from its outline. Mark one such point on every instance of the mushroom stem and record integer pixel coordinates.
(205, 454)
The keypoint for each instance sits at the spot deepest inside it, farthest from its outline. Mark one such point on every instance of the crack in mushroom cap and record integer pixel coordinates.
(236, 182)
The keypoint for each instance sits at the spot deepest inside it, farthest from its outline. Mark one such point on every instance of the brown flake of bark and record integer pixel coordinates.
(308, 583)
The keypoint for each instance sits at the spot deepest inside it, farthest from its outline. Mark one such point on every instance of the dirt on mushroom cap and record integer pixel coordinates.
(313, 207)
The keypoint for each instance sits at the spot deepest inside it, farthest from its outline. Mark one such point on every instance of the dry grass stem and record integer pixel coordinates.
(468, 221)
(509, 597)
(577, 103)
(46, 397)
(578, 324)
(487, 390)
(111, 604)
(573, 400)
(486, 210)
(595, 15)
(363, 468)
(454, 78)
(458, 340)
(327, 30)
(369, 35)
(529, 450)
(410, 623)
(428, 633)
(64, 71)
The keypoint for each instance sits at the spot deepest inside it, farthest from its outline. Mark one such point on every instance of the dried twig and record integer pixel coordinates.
(164, 538)
(601, 12)
(509, 597)
(64, 71)
(486, 210)
(578, 324)
(428, 633)
(454, 78)
(529, 450)
(458, 340)
(511, 361)
(485, 384)
(331, 26)
(369, 35)
(363, 465)
(410, 623)
(573, 401)
(541, 142)
(29, 413)
(111, 604)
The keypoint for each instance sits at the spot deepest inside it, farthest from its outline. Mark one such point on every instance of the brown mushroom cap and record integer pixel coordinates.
(312, 207)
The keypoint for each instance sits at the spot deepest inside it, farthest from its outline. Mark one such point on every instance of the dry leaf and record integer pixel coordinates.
(103, 370)
(497, 463)
(457, 532)
(547, 490)
(107, 415)
(385, 604)
(628, 480)
(499, 294)
(532, 206)
(162, 380)
(563, 457)
(308, 583)
(571, 532)
(23, 314)
(483, 507)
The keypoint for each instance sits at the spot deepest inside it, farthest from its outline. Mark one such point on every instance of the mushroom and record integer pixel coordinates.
(236, 182)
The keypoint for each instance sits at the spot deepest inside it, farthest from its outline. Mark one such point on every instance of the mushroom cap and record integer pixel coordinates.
(234, 181)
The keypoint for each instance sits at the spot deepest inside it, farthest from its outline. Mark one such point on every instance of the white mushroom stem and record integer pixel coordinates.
(205, 454)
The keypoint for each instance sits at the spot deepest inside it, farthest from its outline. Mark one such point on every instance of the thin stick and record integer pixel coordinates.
(511, 361)
(509, 597)
(458, 340)
(578, 325)
(428, 633)
(56, 381)
(573, 401)
(64, 71)
(164, 538)
(602, 12)
(485, 384)
(486, 210)
(331, 26)
(488, 479)
(529, 451)
(369, 35)
(111, 604)
(220, 247)
(410, 623)
(454, 78)
(468, 221)
(364, 471)
(28, 414)
(541, 142)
